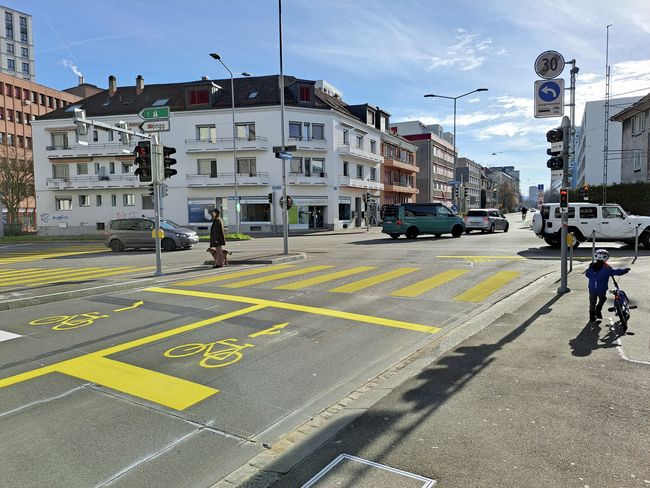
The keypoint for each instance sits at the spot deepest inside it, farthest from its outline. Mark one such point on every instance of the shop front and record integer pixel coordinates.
(308, 213)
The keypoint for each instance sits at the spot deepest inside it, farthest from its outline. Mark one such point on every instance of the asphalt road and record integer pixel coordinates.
(180, 383)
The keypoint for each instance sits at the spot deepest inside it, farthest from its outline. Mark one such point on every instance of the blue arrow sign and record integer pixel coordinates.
(549, 91)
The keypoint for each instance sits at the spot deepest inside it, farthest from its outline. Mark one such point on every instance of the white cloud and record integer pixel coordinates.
(468, 53)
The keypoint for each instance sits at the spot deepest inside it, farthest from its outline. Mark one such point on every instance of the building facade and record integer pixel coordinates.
(635, 144)
(400, 170)
(469, 174)
(17, 45)
(336, 164)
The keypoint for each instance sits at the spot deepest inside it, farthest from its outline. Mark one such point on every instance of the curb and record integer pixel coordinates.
(266, 260)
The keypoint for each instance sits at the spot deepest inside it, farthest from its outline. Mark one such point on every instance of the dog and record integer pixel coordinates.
(225, 254)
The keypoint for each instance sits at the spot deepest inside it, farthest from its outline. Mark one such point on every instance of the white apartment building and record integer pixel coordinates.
(79, 189)
(17, 44)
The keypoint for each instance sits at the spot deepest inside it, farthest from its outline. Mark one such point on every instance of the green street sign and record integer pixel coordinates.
(154, 113)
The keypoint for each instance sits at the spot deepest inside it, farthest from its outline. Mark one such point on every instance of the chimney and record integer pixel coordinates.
(139, 85)
(112, 85)
(205, 78)
(81, 80)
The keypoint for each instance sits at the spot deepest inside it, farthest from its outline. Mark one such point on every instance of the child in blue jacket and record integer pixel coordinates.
(598, 273)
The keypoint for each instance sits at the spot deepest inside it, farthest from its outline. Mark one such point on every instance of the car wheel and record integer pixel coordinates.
(116, 245)
(437, 235)
(554, 243)
(645, 239)
(467, 231)
(168, 244)
(456, 231)
(412, 233)
(491, 229)
(506, 228)
(394, 236)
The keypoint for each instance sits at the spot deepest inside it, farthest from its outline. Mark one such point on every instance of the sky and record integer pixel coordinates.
(387, 53)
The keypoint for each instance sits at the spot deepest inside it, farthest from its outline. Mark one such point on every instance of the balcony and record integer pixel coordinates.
(307, 178)
(224, 144)
(397, 163)
(347, 181)
(359, 154)
(308, 144)
(228, 179)
(90, 150)
(401, 189)
(95, 182)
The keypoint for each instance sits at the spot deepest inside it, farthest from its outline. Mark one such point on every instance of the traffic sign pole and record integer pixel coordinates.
(566, 124)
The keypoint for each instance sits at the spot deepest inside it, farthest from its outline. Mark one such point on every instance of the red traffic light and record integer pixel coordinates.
(555, 135)
(564, 197)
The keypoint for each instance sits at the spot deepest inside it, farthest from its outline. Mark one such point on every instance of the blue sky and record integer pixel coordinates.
(387, 53)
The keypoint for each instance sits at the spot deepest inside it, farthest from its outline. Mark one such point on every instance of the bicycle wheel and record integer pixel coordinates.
(220, 358)
(81, 320)
(55, 319)
(185, 350)
(622, 316)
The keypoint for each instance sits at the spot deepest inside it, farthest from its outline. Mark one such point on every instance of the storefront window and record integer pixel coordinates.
(255, 212)
(344, 211)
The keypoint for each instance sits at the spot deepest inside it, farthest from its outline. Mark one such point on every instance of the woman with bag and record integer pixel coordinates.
(217, 239)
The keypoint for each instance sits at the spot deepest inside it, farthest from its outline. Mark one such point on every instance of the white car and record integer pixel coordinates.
(485, 220)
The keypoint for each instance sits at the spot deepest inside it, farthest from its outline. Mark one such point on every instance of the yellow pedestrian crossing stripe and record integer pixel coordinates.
(423, 286)
(487, 287)
(373, 280)
(37, 255)
(324, 278)
(279, 276)
(236, 274)
(35, 277)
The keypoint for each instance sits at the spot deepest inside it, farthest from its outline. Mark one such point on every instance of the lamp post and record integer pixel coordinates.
(234, 134)
(454, 99)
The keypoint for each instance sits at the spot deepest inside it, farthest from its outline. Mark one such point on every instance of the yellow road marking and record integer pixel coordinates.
(69, 274)
(28, 272)
(423, 286)
(324, 278)
(278, 276)
(45, 276)
(40, 256)
(103, 274)
(487, 287)
(481, 259)
(131, 307)
(373, 280)
(301, 308)
(237, 274)
(270, 331)
(144, 383)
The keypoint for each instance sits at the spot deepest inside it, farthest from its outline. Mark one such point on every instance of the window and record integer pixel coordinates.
(95, 136)
(9, 25)
(147, 202)
(60, 171)
(126, 168)
(346, 168)
(98, 200)
(255, 212)
(34, 97)
(346, 136)
(42, 99)
(245, 130)
(84, 200)
(588, 212)
(2, 113)
(29, 142)
(206, 133)
(344, 211)
(23, 29)
(101, 226)
(10, 49)
(295, 165)
(207, 167)
(252, 95)
(10, 139)
(247, 166)
(638, 124)
(572, 213)
(359, 171)
(128, 199)
(21, 141)
(82, 168)
(113, 200)
(24, 52)
(63, 203)
(373, 174)
(318, 132)
(371, 117)
(26, 68)
(359, 142)
(19, 117)
(160, 102)
(305, 94)
(198, 97)
(96, 168)
(318, 167)
(612, 213)
(637, 160)
(111, 168)
(50, 102)
(111, 136)
(373, 147)
(11, 65)
(25, 94)
(295, 129)
(2, 137)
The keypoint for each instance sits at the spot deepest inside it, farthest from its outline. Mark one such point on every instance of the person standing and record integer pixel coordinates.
(217, 239)
(598, 274)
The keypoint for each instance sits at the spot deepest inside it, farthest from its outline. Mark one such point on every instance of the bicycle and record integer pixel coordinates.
(621, 307)
(66, 322)
(220, 356)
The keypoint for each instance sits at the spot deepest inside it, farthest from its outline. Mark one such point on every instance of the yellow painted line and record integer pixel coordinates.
(144, 383)
(45, 276)
(325, 278)
(278, 276)
(28, 375)
(67, 275)
(40, 256)
(301, 308)
(93, 275)
(237, 274)
(270, 331)
(27, 272)
(373, 280)
(423, 286)
(481, 259)
(487, 287)
(130, 307)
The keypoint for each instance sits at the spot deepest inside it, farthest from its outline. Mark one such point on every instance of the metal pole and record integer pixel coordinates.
(456, 156)
(285, 216)
(636, 242)
(572, 103)
(571, 253)
(606, 135)
(156, 164)
(566, 124)
(234, 149)
(593, 244)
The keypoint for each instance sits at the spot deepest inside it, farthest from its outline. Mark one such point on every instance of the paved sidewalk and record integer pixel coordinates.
(538, 398)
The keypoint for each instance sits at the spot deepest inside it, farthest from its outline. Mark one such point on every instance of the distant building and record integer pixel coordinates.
(469, 174)
(635, 163)
(83, 89)
(17, 45)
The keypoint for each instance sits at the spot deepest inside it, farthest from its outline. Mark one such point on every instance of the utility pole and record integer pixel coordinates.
(566, 126)
(606, 135)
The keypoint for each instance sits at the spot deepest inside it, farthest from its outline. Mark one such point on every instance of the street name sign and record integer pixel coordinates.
(549, 65)
(549, 98)
(154, 113)
(155, 126)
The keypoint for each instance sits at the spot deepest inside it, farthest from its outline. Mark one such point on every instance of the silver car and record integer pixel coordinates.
(139, 234)
(485, 220)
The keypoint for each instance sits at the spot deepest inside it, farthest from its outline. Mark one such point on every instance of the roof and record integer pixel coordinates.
(638, 107)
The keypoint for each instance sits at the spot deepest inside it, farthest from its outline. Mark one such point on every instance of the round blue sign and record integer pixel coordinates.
(549, 91)
(454, 208)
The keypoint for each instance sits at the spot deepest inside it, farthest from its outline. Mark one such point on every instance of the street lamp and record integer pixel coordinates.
(234, 134)
(454, 99)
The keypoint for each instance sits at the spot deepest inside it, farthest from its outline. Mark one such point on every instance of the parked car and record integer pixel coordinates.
(485, 220)
(414, 219)
(608, 222)
(138, 234)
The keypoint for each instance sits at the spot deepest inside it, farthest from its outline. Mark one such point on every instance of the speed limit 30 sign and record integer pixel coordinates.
(549, 65)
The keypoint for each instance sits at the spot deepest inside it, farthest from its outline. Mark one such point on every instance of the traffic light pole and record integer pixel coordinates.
(565, 125)
(157, 178)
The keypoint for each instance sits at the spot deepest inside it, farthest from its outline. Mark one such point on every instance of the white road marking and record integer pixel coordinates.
(6, 336)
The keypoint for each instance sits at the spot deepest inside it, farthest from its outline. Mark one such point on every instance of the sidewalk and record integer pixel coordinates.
(538, 398)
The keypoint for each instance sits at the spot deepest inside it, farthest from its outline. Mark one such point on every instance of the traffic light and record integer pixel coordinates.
(564, 198)
(271, 198)
(556, 138)
(143, 161)
(466, 192)
(584, 192)
(165, 192)
(168, 162)
(124, 138)
(151, 189)
(454, 192)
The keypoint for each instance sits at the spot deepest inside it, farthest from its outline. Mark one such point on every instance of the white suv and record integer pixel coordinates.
(609, 222)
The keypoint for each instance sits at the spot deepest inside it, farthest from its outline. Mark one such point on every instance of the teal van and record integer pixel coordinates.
(413, 219)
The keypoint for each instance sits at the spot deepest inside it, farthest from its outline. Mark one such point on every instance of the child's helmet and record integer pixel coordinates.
(601, 255)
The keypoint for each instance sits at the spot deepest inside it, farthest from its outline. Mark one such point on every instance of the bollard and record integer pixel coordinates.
(570, 239)
(636, 243)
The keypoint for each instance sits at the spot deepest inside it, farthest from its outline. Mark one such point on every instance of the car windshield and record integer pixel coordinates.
(169, 225)
(477, 213)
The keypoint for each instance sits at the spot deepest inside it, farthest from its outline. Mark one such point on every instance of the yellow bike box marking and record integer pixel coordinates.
(423, 286)
(487, 287)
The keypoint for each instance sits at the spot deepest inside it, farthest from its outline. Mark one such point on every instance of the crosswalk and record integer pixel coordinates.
(38, 276)
(11, 257)
(390, 283)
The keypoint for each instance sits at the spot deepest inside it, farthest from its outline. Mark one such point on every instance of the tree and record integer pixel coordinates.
(16, 183)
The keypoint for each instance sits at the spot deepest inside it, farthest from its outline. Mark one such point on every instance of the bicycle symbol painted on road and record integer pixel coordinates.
(67, 322)
(215, 357)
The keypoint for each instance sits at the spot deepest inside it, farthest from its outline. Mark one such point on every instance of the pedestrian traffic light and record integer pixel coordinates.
(466, 192)
(168, 161)
(271, 198)
(151, 189)
(584, 192)
(289, 202)
(564, 198)
(164, 190)
(556, 138)
(143, 161)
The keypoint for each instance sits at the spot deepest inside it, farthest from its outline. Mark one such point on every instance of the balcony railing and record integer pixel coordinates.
(319, 178)
(92, 149)
(228, 179)
(225, 144)
(398, 163)
(308, 143)
(401, 189)
(94, 181)
(350, 182)
(348, 150)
